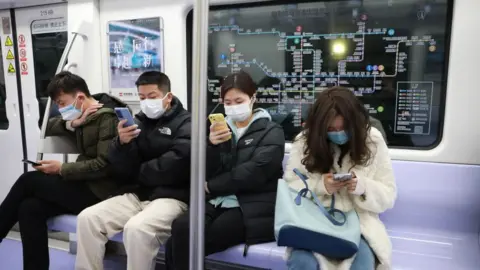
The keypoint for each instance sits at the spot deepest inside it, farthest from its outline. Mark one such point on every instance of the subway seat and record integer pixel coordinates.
(267, 255)
(434, 224)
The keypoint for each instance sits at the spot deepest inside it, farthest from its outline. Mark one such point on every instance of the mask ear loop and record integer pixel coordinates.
(81, 107)
(74, 104)
(252, 101)
(165, 96)
(169, 105)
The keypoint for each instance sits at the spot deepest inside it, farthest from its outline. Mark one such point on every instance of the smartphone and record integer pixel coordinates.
(221, 122)
(124, 113)
(31, 162)
(342, 176)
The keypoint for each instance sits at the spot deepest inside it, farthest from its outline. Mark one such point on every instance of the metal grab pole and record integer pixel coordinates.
(199, 145)
(61, 65)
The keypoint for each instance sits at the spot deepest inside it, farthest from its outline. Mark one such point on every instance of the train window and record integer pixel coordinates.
(391, 54)
(48, 45)
(3, 97)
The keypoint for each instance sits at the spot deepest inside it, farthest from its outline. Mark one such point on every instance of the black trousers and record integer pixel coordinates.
(33, 199)
(224, 228)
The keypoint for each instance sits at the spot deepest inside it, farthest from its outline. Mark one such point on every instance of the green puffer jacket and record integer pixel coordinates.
(93, 139)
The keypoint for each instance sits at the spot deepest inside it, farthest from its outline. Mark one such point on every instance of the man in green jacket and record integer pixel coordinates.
(68, 188)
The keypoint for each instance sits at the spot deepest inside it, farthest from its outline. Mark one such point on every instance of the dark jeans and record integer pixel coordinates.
(33, 199)
(305, 260)
(224, 228)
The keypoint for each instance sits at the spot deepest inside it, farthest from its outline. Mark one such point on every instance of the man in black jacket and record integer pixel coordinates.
(152, 161)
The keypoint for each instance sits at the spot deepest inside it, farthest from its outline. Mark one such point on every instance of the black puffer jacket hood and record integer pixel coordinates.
(109, 101)
(109, 104)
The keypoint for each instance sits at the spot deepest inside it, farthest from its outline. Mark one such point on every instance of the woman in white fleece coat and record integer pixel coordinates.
(338, 138)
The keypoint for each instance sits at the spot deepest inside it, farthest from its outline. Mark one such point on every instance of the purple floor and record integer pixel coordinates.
(11, 258)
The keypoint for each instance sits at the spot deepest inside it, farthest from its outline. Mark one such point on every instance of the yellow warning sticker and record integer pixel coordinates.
(11, 69)
(8, 42)
(10, 55)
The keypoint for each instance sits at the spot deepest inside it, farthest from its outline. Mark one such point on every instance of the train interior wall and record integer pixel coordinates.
(442, 177)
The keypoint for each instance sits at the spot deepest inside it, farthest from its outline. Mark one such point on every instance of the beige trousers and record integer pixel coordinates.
(146, 225)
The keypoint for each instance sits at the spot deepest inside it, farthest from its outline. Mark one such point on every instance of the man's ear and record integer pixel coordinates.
(169, 96)
(168, 99)
(81, 97)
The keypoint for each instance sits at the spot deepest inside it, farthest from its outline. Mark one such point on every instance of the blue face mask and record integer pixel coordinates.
(338, 137)
(70, 113)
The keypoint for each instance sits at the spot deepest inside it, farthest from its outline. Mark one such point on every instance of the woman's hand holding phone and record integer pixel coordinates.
(331, 185)
(352, 186)
(219, 136)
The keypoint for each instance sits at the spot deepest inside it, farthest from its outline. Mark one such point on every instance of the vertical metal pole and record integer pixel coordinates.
(199, 140)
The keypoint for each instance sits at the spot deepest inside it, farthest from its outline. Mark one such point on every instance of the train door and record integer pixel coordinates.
(42, 37)
(11, 149)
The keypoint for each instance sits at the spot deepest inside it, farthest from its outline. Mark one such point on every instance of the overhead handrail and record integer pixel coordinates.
(69, 66)
(60, 67)
(199, 145)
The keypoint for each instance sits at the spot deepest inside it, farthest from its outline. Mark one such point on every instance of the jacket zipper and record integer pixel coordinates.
(234, 151)
(234, 161)
(81, 140)
(246, 246)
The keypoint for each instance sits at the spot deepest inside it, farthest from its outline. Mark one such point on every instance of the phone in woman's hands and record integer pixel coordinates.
(342, 177)
(219, 131)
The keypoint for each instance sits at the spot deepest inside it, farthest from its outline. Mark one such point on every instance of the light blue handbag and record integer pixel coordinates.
(304, 223)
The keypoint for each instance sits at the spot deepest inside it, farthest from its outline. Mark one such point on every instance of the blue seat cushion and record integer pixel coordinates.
(63, 223)
(267, 255)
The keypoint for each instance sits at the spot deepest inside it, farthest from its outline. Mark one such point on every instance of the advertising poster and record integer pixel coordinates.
(135, 46)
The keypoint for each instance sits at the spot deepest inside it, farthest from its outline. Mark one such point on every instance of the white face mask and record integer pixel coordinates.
(240, 112)
(153, 108)
(70, 113)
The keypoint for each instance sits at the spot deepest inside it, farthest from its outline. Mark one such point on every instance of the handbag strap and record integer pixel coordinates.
(330, 214)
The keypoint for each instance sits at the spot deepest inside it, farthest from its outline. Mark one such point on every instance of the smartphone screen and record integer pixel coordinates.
(124, 113)
(31, 162)
(342, 176)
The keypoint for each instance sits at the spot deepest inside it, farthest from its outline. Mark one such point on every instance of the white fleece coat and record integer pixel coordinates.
(376, 178)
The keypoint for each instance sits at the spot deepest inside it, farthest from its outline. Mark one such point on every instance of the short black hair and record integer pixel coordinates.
(67, 83)
(154, 77)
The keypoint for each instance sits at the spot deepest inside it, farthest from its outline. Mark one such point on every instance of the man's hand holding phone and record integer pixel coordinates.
(49, 166)
(127, 134)
(219, 136)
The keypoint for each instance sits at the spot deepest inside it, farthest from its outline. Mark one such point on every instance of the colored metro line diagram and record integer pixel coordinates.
(385, 63)
(301, 45)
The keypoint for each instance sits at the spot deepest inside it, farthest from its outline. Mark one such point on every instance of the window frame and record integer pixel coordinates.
(445, 68)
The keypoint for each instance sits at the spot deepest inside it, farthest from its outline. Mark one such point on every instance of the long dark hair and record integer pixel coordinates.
(329, 104)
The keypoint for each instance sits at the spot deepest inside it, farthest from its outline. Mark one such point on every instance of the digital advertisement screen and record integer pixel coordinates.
(135, 46)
